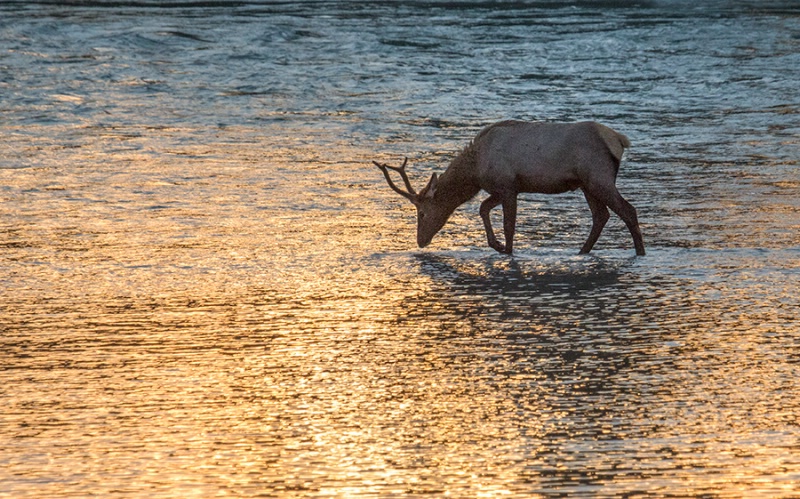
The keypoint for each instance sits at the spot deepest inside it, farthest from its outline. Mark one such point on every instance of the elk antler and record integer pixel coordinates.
(410, 194)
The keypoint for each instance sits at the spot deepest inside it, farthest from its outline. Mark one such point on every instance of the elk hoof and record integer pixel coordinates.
(499, 247)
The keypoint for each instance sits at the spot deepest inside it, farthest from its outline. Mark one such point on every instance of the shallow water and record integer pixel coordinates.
(207, 289)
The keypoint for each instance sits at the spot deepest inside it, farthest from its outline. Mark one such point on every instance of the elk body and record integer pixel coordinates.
(511, 157)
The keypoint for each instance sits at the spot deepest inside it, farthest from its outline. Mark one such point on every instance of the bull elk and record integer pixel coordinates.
(511, 157)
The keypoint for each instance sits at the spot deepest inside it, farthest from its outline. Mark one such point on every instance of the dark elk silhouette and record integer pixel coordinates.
(511, 157)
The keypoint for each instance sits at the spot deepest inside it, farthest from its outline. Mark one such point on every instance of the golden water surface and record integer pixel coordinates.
(206, 289)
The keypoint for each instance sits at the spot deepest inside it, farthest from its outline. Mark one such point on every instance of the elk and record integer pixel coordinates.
(512, 157)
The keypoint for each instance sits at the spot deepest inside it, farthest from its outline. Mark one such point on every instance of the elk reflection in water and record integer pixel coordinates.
(589, 365)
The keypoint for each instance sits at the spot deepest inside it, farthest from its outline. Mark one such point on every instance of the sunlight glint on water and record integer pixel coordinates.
(208, 289)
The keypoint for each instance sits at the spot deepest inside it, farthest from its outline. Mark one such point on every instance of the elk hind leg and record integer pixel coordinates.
(627, 213)
(599, 218)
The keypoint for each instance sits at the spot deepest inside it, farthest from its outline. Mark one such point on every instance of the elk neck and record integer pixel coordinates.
(458, 184)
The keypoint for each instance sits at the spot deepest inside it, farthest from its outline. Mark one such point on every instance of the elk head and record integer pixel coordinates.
(431, 213)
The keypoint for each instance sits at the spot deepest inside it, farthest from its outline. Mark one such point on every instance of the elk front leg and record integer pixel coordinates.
(509, 221)
(486, 208)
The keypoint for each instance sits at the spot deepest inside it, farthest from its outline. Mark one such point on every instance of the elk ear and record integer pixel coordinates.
(430, 190)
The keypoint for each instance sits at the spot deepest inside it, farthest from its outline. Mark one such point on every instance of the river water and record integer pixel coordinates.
(207, 289)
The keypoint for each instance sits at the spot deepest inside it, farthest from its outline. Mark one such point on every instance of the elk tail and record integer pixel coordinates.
(614, 141)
